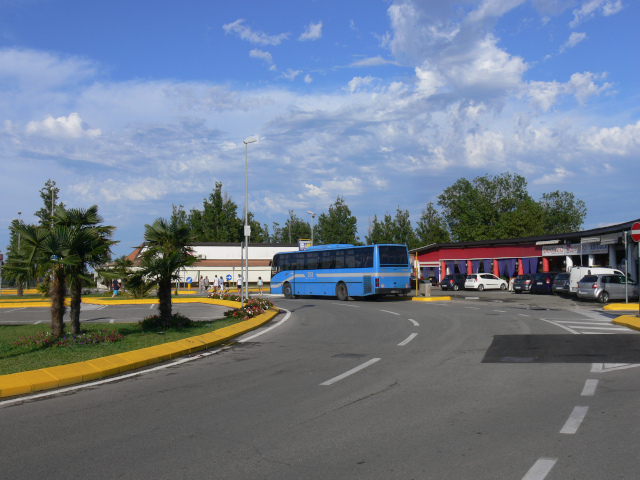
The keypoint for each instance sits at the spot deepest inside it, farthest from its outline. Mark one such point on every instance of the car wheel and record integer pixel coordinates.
(342, 292)
(480, 288)
(503, 286)
(456, 287)
(286, 289)
(603, 297)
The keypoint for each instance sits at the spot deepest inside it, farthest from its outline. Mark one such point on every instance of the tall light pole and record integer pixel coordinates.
(247, 227)
(19, 221)
(313, 215)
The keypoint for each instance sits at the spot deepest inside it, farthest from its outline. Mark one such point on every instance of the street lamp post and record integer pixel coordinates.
(313, 215)
(19, 221)
(247, 228)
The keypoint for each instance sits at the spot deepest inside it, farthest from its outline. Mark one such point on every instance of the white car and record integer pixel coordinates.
(480, 281)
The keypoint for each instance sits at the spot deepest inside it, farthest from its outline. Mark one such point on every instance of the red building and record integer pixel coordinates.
(604, 246)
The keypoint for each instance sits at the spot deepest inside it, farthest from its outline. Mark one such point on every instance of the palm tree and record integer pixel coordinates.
(90, 244)
(167, 249)
(63, 252)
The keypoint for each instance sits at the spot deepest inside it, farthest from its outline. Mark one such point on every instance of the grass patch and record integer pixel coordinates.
(14, 358)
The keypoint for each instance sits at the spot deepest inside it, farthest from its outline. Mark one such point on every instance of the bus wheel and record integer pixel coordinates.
(286, 289)
(342, 292)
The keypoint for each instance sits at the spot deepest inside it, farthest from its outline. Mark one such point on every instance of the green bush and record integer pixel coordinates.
(155, 323)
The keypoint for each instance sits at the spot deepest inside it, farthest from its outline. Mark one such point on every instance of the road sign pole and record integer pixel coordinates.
(635, 236)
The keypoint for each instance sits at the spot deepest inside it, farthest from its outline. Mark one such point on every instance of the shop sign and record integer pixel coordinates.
(574, 249)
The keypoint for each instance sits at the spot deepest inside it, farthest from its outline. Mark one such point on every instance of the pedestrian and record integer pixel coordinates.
(260, 285)
(511, 280)
(206, 284)
(201, 284)
(215, 284)
(239, 284)
(221, 284)
(116, 288)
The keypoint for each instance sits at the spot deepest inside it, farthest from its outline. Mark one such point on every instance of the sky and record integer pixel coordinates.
(136, 106)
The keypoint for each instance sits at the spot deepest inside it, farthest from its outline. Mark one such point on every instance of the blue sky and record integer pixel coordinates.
(135, 106)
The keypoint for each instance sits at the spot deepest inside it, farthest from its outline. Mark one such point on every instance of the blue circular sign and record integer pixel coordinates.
(229, 277)
(189, 280)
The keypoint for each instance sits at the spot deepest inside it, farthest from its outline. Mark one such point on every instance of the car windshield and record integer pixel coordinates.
(589, 278)
(562, 276)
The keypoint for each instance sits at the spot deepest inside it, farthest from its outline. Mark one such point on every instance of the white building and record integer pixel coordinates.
(226, 260)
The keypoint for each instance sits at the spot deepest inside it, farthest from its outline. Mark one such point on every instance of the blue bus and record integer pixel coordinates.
(342, 271)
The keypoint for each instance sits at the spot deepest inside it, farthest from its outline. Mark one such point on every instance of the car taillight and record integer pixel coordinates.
(451, 281)
(595, 285)
(548, 281)
(527, 281)
(377, 283)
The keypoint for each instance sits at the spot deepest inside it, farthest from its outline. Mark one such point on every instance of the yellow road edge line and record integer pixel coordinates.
(63, 375)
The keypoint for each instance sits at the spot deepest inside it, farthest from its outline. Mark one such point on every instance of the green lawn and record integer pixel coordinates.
(22, 358)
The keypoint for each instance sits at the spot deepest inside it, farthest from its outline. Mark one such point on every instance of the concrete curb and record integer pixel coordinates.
(629, 321)
(430, 299)
(128, 301)
(63, 375)
(621, 306)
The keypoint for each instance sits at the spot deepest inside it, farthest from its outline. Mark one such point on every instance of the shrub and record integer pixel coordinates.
(251, 308)
(45, 339)
(176, 322)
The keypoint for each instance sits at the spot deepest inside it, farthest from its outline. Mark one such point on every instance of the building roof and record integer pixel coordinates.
(575, 237)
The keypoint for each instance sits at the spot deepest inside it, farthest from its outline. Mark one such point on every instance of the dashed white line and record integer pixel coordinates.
(473, 308)
(39, 321)
(589, 389)
(350, 372)
(346, 305)
(407, 340)
(111, 320)
(500, 311)
(523, 315)
(13, 310)
(574, 421)
(387, 311)
(415, 324)
(151, 306)
(540, 469)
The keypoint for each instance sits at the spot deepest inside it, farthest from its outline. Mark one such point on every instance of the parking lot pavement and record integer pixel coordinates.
(529, 299)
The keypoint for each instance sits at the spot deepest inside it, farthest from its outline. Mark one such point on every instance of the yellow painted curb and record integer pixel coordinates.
(430, 299)
(63, 375)
(621, 306)
(630, 321)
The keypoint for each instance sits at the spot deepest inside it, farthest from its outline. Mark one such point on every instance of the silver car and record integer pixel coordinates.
(606, 287)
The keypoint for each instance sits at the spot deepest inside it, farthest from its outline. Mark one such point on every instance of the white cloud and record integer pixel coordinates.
(428, 81)
(262, 55)
(357, 83)
(583, 86)
(559, 176)
(307, 78)
(291, 74)
(245, 33)
(544, 95)
(372, 62)
(574, 39)
(61, 127)
(312, 32)
(589, 9)
(486, 149)
(613, 141)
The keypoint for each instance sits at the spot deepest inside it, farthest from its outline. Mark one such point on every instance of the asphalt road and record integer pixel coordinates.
(491, 388)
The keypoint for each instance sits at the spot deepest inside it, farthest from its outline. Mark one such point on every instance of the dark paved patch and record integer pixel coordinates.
(564, 349)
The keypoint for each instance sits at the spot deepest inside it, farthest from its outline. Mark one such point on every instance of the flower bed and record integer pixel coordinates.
(45, 339)
(252, 307)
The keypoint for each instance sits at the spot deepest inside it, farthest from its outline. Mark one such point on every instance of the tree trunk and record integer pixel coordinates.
(164, 299)
(58, 290)
(76, 300)
(20, 288)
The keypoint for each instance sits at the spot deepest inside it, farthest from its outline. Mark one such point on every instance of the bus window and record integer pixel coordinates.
(329, 259)
(350, 258)
(313, 260)
(393, 255)
(367, 257)
(339, 259)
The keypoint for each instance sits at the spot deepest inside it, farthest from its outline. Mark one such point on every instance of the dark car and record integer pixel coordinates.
(453, 282)
(542, 282)
(522, 283)
(560, 284)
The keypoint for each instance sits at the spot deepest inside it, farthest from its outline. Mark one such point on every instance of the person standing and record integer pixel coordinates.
(201, 284)
(206, 284)
(260, 285)
(116, 288)
(221, 284)
(239, 284)
(215, 284)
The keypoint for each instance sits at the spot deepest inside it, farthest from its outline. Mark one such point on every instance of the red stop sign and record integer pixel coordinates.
(635, 232)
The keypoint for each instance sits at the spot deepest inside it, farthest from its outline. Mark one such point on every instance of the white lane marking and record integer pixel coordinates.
(111, 320)
(407, 340)
(387, 311)
(589, 389)
(610, 367)
(141, 372)
(346, 305)
(102, 307)
(500, 311)
(39, 321)
(540, 469)
(523, 315)
(561, 326)
(151, 306)
(415, 324)
(473, 308)
(574, 421)
(350, 372)
(262, 332)
(13, 310)
(599, 328)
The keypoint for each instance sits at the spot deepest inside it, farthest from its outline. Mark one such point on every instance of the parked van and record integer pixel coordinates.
(576, 274)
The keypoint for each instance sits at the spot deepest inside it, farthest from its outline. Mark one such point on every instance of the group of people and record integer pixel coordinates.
(216, 285)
